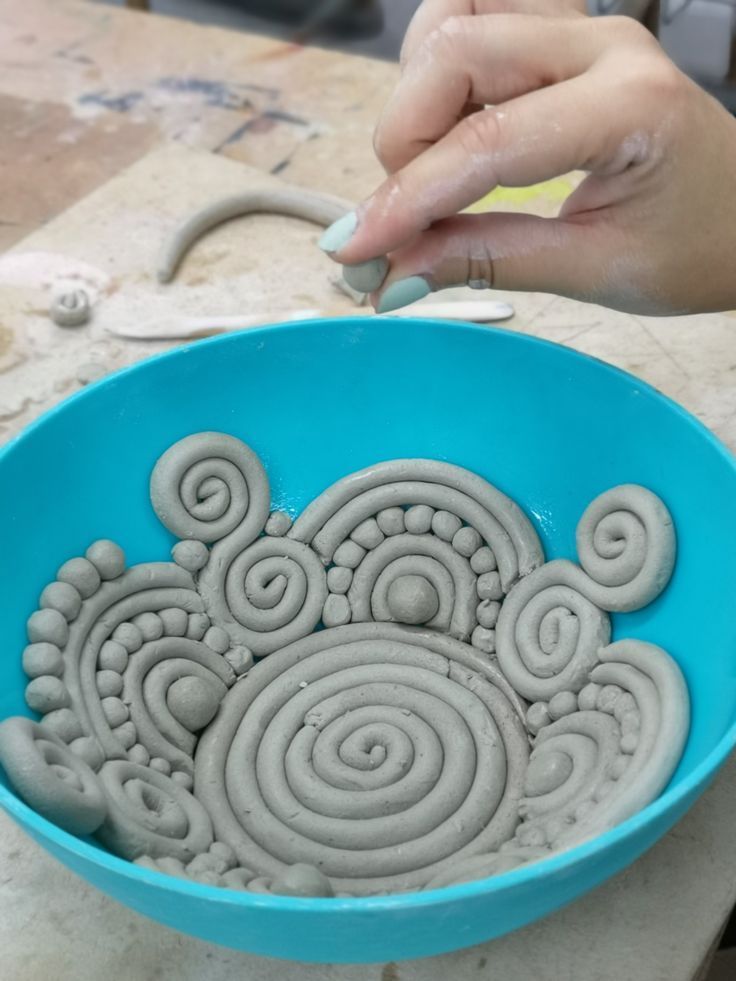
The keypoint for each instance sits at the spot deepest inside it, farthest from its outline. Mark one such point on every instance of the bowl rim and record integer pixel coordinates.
(559, 862)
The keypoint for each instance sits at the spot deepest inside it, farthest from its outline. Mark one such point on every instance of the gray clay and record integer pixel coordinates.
(71, 309)
(149, 814)
(388, 751)
(301, 879)
(321, 209)
(433, 692)
(51, 778)
(460, 494)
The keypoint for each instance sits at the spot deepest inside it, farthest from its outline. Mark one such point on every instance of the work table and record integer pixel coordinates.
(114, 123)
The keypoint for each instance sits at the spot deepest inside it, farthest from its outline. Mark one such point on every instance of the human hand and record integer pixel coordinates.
(651, 229)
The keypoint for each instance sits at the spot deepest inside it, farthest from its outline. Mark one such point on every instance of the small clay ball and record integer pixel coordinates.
(206, 862)
(368, 535)
(217, 640)
(64, 723)
(489, 586)
(483, 561)
(116, 711)
(222, 851)
(107, 557)
(129, 636)
(112, 657)
(278, 524)
(466, 542)
(537, 717)
(237, 878)
(349, 554)
(336, 611)
(190, 555)
(487, 613)
(175, 621)
(629, 742)
(108, 683)
(418, 519)
(546, 773)
(42, 658)
(339, 579)
(62, 596)
(160, 764)
(88, 749)
(199, 624)
(563, 703)
(240, 659)
(412, 600)
(391, 521)
(126, 734)
(139, 754)
(531, 834)
(630, 722)
(607, 698)
(82, 575)
(302, 880)
(619, 766)
(588, 697)
(46, 693)
(193, 702)
(183, 779)
(446, 525)
(624, 703)
(171, 866)
(484, 639)
(48, 626)
(150, 625)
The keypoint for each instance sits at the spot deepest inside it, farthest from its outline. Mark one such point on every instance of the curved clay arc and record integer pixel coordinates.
(321, 209)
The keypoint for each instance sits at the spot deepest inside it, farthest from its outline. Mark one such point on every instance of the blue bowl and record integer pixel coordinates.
(317, 400)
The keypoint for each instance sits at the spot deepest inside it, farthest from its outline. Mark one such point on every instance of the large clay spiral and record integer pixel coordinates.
(551, 626)
(376, 754)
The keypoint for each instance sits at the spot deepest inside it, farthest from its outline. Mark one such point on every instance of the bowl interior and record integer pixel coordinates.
(316, 401)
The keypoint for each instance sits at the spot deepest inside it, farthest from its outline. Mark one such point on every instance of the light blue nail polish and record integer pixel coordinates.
(339, 233)
(365, 277)
(402, 293)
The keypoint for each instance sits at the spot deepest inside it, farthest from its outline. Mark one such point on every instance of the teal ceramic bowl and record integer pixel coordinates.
(316, 401)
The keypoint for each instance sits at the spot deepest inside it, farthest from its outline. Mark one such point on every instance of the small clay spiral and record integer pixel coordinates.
(552, 625)
(208, 485)
(367, 753)
(150, 814)
(49, 777)
(266, 595)
(626, 544)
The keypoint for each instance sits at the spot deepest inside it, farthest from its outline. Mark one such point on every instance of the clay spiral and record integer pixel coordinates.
(375, 755)
(388, 751)
(266, 595)
(209, 485)
(49, 777)
(626, 544)
(149, 814)
(500, 523)
(552, 625)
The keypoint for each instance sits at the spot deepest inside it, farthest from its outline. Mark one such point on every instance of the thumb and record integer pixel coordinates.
(499, 251)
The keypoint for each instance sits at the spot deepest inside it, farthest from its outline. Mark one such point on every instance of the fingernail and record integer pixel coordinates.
(366, 277)
(339, 233)
(402, 293)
